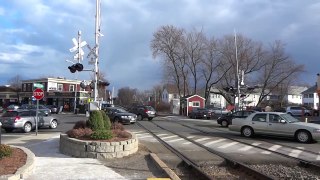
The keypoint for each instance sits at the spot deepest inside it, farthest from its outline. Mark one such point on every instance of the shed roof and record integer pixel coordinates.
(312, 89)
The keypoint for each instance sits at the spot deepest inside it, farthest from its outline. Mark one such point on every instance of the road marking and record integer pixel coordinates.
(227, 145)
(142, 134)
(265, 152)
(318, 158)
(202, 139)
(274, 147)
(256, 144)
(137, 132)
(162, 134)
(301, 148)
(168, 137)
(175, 140)
(146, 136)
(295, 153)
(190, 137)
(213, 142)
(246, 148)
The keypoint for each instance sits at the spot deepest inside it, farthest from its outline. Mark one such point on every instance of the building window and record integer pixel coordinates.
(310, 95)
(24, 87)
(305, 96)
(60, 87)
(71, 87)
(196, 104)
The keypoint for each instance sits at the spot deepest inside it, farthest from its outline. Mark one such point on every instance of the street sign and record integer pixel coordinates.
(38, 85)
(38, 94)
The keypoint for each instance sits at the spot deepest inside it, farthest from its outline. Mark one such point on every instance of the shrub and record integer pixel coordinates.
(106, 120)
(80, 132)
(102, 135)
(121, 134)
(95, 121)
(5, 151)
(80, 124)
(117, 126)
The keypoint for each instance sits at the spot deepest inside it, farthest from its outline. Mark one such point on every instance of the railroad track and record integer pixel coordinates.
(310, 158)
(241, 169)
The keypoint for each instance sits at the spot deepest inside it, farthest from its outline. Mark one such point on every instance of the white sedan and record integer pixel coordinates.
(278, 124)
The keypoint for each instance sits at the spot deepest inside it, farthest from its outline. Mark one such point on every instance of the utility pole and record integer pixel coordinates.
(237, 71)
(78, 59)
(97, 34)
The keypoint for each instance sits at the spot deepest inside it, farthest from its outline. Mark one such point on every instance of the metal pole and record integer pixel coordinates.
(97, 33)
(37, 117)
(79, 59)
(0, 132)
(238, 79)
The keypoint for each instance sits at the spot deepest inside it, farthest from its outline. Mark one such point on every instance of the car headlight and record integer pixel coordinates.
(126, 117)
(316, 130)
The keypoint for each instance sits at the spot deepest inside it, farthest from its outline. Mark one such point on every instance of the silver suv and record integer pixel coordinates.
(26, 120)
(297, 111)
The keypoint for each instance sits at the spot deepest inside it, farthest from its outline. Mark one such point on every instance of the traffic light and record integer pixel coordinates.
(76, 67)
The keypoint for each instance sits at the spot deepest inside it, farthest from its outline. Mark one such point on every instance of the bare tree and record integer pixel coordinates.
(279, 68)
(167, 43)
(16, 83)
(127, 96)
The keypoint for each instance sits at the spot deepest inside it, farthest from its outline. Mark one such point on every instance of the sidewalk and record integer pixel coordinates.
(50, 164)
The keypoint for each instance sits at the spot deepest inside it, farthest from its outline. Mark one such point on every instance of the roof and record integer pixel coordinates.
(190, 96)
(7, 89)
(312, 89)
(296, 89)
(171, 88)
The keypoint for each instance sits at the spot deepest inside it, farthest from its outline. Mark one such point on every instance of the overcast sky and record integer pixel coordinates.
(36, 34)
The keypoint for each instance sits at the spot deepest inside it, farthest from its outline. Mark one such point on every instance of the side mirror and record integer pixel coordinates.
(283, 121)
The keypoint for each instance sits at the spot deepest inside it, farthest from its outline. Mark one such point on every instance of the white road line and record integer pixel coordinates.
(227, 145)
(318, 158)
(295, 153)
(256, 144)
(186, 143)
(142, 134)
(213, 142)
(162, 134)
(301, 148)
(246, 148)
(142, 137)
(175, 140)
(190, 137)
(265, 152)
(168, 137)
(137, 132)
(202, 139)
(274, 147)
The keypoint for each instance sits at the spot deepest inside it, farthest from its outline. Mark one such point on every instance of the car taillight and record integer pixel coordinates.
(17, 118)
(146, 110)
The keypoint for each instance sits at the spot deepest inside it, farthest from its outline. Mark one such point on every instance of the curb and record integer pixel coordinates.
(164, 167)
(25, 170)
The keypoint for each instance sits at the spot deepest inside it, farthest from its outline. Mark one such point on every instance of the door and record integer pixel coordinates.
(259, 123)
(277, 128)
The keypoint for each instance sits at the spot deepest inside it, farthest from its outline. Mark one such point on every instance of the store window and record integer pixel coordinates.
(71, 87)
(60, 87)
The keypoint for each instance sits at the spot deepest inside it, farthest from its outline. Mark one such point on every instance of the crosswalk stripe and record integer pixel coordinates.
(175, 140)
(137, 132)
(189, 137)
(227, 145)
(295, 153)
(142, 134)
(266, 152)
(162, 134)
(301, 148)
(318, 158)
(202, 139)
(256, 144)
(246, 148)
(168, 137)
(274, 147)
(147, 136)
(213, 142)
(186, 143)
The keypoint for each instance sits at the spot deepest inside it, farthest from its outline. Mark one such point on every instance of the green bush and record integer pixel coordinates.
(106, 120)
(95, 121)
(101, 135)
(5, 151)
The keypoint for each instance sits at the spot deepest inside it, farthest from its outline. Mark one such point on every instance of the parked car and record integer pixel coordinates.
(54, 109)
(120, 115)
(226, 119)
(200, 113)
(12, 107)
(26, 120)
(298, 111)
(276, 124)
(143, 111)
(41, 107)
(219, 111)
(1, 109)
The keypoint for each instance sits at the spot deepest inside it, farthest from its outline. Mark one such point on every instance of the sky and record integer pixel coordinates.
(36, 35)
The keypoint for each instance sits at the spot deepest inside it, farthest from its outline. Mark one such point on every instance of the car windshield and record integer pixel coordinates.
(289, 118)
(149, 108)
(121, 110)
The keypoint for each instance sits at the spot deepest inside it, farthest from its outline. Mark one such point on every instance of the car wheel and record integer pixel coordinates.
(303, 136)
(247, 131)
(140, 117)
(27, 127)
(150, 118)
(224, 123)
(53, 124)
(8, 129)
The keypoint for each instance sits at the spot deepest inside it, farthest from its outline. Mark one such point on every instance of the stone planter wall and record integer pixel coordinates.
(96, 149)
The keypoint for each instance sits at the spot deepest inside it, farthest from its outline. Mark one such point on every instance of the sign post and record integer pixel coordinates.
(38, 94)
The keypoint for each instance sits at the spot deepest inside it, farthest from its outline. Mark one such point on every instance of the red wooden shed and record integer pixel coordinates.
(191, 101)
